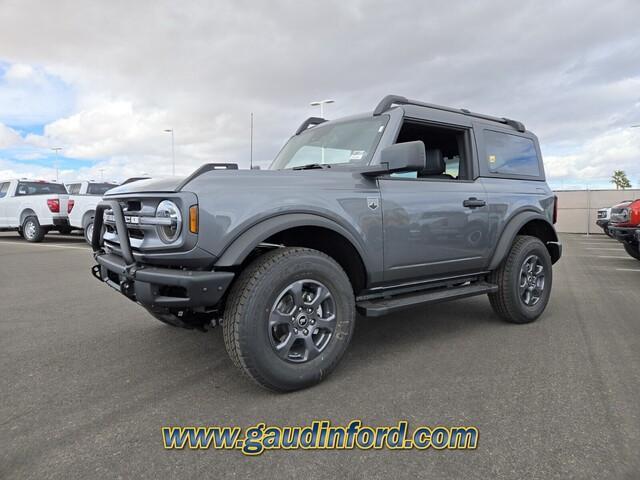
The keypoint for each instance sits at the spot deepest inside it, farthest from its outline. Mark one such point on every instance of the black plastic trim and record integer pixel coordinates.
(390, 100)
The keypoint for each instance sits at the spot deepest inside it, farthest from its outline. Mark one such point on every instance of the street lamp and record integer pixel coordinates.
(56, 149)
(173, 150)
(321, 104)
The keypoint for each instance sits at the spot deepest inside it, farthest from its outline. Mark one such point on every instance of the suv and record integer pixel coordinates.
(625, 226)
(33, 208)
(409, 205)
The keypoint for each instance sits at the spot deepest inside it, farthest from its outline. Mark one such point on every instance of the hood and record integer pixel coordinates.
(168, 184)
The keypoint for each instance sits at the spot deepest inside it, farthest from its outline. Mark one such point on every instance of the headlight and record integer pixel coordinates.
(168, 209)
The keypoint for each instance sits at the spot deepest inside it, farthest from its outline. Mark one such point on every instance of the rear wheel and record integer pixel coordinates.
(632, 250)
(88, 231)
(32, 230)
(524, 281)
(289, 318)
(20, 234)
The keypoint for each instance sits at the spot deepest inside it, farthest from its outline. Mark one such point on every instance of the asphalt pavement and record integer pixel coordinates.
(89, 378)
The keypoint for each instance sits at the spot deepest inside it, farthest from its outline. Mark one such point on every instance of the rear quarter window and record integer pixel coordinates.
(507, 154)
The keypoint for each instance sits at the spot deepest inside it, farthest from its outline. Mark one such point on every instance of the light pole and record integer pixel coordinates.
(56, 149)
(321, 104)
(173, 151)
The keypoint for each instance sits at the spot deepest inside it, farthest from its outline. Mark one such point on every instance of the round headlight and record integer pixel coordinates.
(168, 209)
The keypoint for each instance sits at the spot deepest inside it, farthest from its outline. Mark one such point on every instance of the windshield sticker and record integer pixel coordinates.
(357, 154)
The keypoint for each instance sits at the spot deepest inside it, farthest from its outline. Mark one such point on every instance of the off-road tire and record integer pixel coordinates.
(632, 250)
(250, 301)
(20, 234)
(88, 224)
(32, 231)
(506, 302)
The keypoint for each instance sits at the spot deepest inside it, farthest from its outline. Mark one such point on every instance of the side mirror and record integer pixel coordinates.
(401, 157)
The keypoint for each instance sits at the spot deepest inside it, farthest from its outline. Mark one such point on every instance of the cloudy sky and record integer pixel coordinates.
(103, 80)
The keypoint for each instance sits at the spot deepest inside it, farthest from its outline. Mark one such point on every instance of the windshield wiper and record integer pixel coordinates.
(311, 166)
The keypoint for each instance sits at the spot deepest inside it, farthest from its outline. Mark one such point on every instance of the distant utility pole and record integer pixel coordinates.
(57, 163)
(173, 151)
(251, 144)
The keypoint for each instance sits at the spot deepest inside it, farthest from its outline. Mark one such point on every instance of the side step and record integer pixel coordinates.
(384, 306)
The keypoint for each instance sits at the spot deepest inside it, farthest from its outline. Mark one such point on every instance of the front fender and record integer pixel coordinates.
(243, 245)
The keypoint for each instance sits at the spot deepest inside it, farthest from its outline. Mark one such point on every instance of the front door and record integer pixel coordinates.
(433, 227)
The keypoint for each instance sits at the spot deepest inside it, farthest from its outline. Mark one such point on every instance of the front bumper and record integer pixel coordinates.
(624, 234)
(602, 223)
(151, 286)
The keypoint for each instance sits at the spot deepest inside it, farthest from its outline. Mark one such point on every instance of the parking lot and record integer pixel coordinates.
(88, 379)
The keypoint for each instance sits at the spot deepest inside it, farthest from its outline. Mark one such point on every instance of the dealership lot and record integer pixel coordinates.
(88, 379)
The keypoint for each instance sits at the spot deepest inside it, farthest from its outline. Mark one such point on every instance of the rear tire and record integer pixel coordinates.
(524, 280)
(88, 231)
(20, 234)
(32, 230)
(289, 318)
(632, 250)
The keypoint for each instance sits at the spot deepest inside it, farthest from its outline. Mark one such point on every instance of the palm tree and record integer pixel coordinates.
(619, 178)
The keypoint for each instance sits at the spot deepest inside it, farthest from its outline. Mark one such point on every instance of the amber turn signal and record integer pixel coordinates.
(193, 219)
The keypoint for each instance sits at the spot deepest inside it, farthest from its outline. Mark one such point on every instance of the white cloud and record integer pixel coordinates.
(9, 137)
(137, 68)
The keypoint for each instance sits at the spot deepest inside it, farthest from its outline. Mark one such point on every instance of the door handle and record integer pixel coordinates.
(473, 202)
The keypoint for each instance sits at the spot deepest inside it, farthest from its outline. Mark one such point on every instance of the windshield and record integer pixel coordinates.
(40, 188)
(99, 188)
(350, 142)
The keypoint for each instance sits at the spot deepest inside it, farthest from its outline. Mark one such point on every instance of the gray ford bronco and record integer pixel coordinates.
(409, 205)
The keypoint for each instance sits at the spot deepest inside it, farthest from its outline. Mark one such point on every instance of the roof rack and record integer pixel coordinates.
(311, 121)
(390, 100)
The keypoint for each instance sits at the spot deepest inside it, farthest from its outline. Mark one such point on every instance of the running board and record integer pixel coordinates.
(384, 306)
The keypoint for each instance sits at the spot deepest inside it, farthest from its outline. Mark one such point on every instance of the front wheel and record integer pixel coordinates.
(289, 318)
(632, 250)
(32, 230)
(524, 281)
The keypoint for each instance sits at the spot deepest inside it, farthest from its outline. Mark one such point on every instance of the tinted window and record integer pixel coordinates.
(40, 188)
(511, 154)
(74, 188)
(4, 188)
(99, 188)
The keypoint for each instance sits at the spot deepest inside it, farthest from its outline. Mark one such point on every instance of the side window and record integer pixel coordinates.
(4, 188)
(511, 154)
(74, 188)
(445, 148)
(22, 189)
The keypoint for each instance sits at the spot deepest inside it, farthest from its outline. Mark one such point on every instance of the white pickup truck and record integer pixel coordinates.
(84, 196)
(33, 208)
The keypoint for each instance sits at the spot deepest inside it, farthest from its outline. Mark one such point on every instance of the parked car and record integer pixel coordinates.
(624, 224)
(604, 217)
(33, 208)
(83, 198)
(376, 213)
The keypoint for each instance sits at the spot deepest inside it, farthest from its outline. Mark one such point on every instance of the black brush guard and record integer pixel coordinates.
(151, 286)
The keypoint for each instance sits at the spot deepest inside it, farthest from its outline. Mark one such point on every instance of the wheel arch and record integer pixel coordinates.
(27, 212)
(87, 215)
(300, 230)
(526, 223)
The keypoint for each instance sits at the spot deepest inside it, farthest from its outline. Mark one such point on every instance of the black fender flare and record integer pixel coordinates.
(236, 252)
(510, 231)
